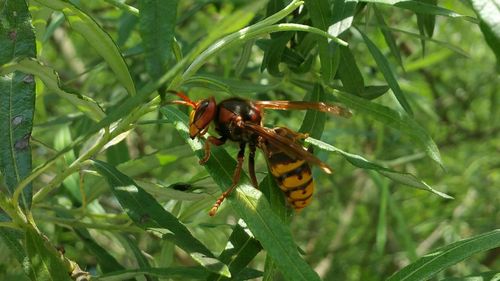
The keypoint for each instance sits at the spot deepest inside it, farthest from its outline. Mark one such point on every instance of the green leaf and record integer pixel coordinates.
(321, 17)
(289, 56)
(274, 53)
(314, 121)
(126, 27)
(432, 263)
(124, 7)
(46, 262)
(17, 97)
(72, 183)
(120, 111)
(11, 239)
(17, 37)
(240, 250)
(142, 262)
(250, 274)
(53, 23)
(174, 273)
(232, 23)
(157, 20)
(343, 15)
(373, 92)
(489, 14)
(139, 166)
(241, 36)
(484, 276)
(274, 6)
(389, 75)
(247, 34)
(423, 8)
(251, 206)
(276, 197)
(397, 120)
(246, 54)
(228, 85)
(349, 73)
(426, 23)
(51, 80)
(388, 37)
(359, 161)
(148, 214)
(117, 153)
(97, 38)
(163, 193)
(107, 263)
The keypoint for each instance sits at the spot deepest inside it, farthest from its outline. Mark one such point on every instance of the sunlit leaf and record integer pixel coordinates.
(96, 37)
(343, 15)
(147, 213)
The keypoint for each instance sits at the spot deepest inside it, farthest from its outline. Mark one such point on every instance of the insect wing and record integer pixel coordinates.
(287, 145)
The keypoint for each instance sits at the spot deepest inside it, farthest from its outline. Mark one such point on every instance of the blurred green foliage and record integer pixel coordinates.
(360, 225)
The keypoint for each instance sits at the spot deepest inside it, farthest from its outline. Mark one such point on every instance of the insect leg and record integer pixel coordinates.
(251, 165)
(211, 140)
(236, 178)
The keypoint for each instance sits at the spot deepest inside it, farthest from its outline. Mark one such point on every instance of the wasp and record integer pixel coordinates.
(240, 120)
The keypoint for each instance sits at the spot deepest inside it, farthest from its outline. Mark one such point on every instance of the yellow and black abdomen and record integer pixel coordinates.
(294, 178)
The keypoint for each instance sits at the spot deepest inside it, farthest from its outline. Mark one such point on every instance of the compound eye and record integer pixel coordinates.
(200, 110)
(201, 117)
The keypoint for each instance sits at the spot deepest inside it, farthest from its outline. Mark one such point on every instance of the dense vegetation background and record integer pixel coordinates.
(97, 170)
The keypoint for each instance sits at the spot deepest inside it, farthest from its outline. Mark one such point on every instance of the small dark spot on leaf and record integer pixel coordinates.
(17, 120)
(22, 143)
(28, 79)
(144, 218)
(13, 35)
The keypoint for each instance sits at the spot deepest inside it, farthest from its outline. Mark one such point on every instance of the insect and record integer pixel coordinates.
(240, 121)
